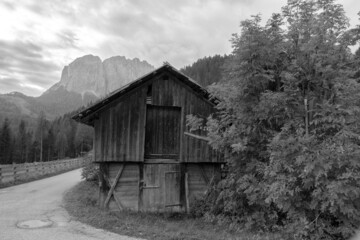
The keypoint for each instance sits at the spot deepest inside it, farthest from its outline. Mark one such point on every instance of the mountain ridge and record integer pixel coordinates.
(90, 74)
(84, 80)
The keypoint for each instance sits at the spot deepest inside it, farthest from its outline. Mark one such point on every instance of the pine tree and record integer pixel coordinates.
(6, 143)
(83, 138)
(50, 145)
(62, 144)
(29, 137)
(206, 71)
(40, 134)
(22, 142)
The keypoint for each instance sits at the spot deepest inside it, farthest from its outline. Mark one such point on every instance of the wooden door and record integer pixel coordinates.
(172, 188)
(160, 189)
(162, 132)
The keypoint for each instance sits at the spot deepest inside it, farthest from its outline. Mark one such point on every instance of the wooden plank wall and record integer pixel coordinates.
(172, 92)
(161, 185)
(127, 188)
(120, 129)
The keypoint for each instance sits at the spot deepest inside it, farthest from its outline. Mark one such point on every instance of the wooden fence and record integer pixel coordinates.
(14, 172)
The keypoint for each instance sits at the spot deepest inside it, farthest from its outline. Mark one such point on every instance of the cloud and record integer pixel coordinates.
(22, 65)
(38, 39)
(13, 84)
(9, 83)
(26, 49)
(68, 38)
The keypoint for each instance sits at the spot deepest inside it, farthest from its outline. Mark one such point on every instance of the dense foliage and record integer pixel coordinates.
(48, 141)
(90, 170)
(207, 70)
(288, 121)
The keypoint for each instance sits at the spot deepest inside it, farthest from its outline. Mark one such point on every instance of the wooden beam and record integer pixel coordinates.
(113, 185)
(156, 161)
(140, 182)
(209, 185)
(102, 186)
(117, 201)
(203, 173)
(187, 193)
(197, 136)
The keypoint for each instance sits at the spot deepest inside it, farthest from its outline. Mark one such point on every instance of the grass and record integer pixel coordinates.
(81, 203)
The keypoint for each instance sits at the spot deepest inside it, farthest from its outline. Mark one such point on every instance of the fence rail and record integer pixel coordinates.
(14, 172)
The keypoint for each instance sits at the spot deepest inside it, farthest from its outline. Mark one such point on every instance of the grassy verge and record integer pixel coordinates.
(81, 203)
(34, 178)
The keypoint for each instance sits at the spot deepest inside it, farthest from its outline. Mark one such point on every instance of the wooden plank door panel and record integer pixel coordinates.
(151, 192)
(161, 187)
(172, 189)
(162, 132)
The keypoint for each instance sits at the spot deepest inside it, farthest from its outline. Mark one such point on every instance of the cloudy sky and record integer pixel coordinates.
(38, 38)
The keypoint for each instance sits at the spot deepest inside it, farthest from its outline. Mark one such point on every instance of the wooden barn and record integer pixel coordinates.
(149, 160)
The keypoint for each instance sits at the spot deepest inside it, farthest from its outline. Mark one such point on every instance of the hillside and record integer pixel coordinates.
(83, 81)
(207, 70)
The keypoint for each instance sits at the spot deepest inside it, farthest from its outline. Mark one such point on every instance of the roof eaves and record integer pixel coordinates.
(83, 115)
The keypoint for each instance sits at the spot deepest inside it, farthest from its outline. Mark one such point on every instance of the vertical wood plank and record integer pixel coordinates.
(142, 123)
(187, 192)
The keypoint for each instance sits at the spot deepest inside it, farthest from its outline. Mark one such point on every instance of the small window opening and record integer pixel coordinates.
(149, 95)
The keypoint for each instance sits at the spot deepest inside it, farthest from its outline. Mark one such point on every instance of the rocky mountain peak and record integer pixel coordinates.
(88, 74)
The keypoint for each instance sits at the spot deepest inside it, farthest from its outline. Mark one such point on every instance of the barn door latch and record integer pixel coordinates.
(143, 185)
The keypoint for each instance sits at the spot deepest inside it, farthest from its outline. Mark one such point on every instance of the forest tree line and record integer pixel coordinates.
(207, 70)
(288, 119)
(48, 141)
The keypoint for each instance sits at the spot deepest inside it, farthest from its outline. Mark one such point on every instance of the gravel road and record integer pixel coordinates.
(33, 211)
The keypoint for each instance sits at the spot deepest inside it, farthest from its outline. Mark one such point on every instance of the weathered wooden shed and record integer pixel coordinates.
(149, 160)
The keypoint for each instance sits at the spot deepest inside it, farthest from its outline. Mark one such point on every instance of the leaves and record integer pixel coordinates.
(293, 167)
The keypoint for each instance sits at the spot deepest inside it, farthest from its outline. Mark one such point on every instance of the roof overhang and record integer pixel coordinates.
(87, 115)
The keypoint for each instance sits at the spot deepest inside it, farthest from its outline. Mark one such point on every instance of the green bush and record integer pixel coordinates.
(288, 120)
(90, 170)
(198, 207)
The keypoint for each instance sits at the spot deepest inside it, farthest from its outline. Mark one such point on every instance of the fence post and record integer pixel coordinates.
(37, 169)
(14, 173)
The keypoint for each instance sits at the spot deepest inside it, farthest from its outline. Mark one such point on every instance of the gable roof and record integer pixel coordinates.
(84, 115)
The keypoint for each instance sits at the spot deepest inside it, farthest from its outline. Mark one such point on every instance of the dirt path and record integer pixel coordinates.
(33, 211)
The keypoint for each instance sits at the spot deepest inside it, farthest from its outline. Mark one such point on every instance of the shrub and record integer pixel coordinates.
(90, 169)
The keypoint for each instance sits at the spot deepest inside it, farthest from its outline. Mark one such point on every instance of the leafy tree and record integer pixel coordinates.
(288, 120)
